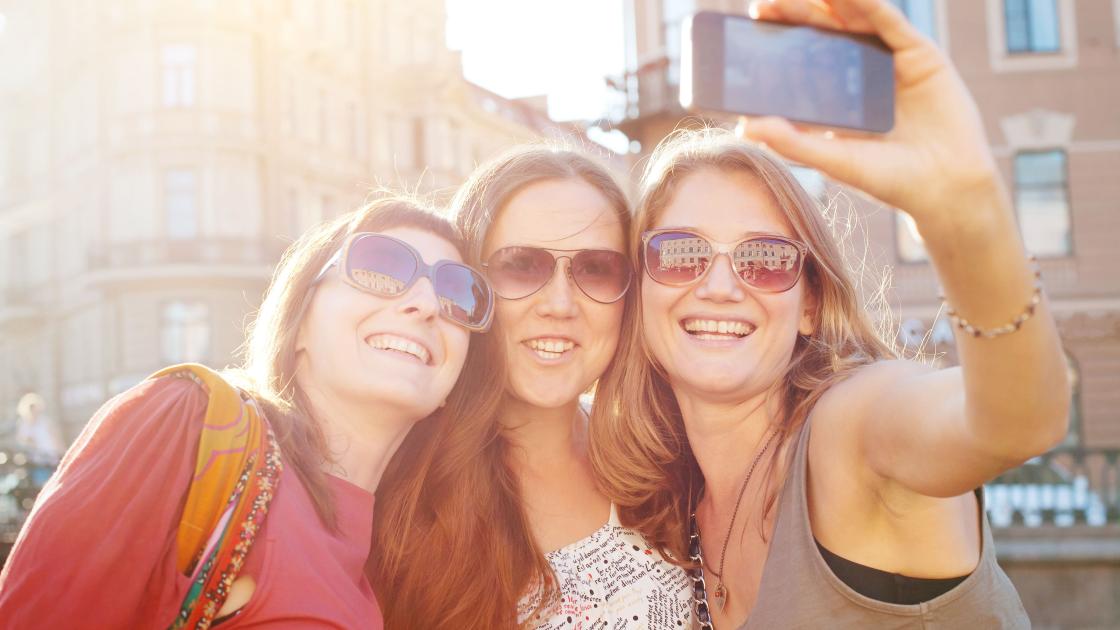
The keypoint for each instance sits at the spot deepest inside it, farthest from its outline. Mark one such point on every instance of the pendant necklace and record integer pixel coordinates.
(721, 592)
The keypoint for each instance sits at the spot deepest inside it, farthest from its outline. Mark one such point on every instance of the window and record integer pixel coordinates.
(908, 242)
(185, 332)
(673, 13)
(180, 201)
(324, 141)
(1032, 26)
(355, 124)
(351, 24)
(290, 105)
(921, 14)
(1073, 436)
(179, 75)
(1042, 202)
(293, 220)
(418, 140)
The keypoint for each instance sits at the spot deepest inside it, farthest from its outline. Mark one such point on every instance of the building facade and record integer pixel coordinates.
(157, 156)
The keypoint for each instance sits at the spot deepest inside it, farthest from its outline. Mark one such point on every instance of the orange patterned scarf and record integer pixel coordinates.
(235, 476)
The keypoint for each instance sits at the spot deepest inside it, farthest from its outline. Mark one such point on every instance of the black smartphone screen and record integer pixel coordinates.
(744, 66)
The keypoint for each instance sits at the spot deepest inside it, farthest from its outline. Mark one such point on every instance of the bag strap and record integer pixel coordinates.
(235, 475)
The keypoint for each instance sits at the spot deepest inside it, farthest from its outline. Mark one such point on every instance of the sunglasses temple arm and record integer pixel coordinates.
(330, 263)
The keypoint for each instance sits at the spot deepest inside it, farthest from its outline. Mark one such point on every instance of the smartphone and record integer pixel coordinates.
(735, 65)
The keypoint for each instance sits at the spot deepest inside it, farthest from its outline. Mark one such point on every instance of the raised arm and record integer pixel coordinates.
(940, 432)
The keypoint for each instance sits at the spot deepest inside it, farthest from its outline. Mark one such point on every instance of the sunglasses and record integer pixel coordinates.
(388, 267)
(518, 272)
(679, 257)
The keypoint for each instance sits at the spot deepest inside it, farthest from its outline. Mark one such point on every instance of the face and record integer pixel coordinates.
(557, 341)
(383, 351)
(761, 327)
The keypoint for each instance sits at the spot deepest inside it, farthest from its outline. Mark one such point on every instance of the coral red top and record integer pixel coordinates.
(98, 550)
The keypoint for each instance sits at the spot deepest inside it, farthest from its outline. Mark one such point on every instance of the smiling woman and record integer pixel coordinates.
(755, 354)
(338, 370)
(507, 488)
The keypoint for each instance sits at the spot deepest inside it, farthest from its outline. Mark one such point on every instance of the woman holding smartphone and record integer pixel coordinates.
(493, 519)
(812, 477)
(362, 333)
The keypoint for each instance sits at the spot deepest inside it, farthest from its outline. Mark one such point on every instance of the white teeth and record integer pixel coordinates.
(400, 344)
(722, 327)
(550, 348)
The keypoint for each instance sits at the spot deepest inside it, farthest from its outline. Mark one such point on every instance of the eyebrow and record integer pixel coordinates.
(741, 235)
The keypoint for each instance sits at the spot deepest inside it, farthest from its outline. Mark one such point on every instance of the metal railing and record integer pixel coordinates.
(1068, 486)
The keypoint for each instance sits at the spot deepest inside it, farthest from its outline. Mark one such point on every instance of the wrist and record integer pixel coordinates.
(973, 217)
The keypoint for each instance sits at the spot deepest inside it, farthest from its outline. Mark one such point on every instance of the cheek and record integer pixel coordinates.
(457, 342)
(509, 313)
(656, 303)
(607, 321)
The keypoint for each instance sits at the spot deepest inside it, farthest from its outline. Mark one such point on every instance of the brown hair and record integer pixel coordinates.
(638, 443)
(454, 545)
(269, 354)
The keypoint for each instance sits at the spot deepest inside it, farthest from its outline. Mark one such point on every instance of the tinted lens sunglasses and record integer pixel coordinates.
(520, 271)
(388, 267)
(680, 257)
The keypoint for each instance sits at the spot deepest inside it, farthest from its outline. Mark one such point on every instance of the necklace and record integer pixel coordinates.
(720, 594)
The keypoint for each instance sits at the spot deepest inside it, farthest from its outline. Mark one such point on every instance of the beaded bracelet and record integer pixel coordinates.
(1009, 327)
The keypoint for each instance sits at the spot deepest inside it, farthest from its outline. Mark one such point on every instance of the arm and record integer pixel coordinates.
(98, 549)
(940, 433)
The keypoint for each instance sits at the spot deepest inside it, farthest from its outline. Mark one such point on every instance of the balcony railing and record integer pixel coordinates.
(1069, 486)
(18, 295)
(201, 251)
(645, 92)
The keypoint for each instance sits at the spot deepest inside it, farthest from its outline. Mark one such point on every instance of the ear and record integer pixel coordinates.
(807, 324)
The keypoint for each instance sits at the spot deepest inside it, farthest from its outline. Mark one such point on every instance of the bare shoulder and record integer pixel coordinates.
(864, 387)
(838, 418)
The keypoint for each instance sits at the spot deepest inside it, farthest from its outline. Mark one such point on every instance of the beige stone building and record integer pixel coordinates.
(156, 156)
(1046, 75)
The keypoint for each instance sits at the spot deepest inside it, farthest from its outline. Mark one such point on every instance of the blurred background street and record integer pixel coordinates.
(157, 156)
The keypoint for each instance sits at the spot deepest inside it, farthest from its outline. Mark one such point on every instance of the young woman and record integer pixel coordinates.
(362, 333)
(497, 522)
(819, 480)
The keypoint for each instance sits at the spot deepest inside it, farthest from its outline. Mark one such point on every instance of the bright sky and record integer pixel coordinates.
(529, 47)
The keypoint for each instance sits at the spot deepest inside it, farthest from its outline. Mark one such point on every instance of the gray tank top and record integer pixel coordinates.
(798, 590)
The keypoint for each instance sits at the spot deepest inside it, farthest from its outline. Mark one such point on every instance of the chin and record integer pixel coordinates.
(545, 399)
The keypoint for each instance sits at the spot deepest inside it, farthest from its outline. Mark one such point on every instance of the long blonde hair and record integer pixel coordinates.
(639, 448)
(455, 548)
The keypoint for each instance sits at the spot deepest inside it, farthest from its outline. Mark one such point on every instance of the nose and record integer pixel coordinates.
(557, 298)
(420, 300)
(720, 284)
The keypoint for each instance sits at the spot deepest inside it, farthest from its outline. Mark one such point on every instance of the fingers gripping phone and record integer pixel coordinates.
(735, 65)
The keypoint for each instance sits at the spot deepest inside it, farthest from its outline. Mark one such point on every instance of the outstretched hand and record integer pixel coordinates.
(935, 157)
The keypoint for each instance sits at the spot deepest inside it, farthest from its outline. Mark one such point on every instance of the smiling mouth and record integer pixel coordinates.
(401, 345)
(547, 348)
(717, 329)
